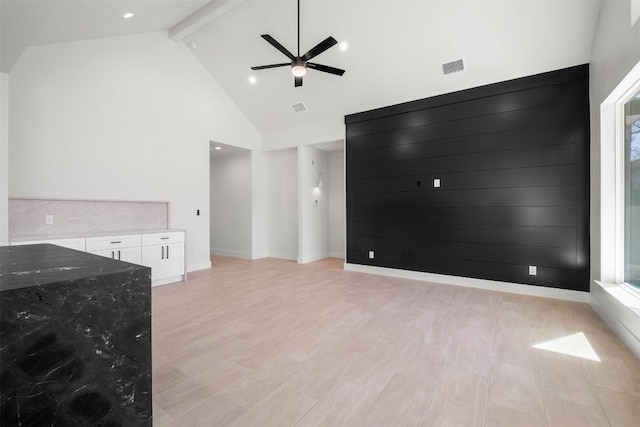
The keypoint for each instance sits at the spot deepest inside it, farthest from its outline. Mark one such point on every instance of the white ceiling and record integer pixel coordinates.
(395, 46)
(25, 23)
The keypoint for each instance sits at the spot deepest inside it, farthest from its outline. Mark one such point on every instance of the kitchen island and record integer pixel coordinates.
(75, 339)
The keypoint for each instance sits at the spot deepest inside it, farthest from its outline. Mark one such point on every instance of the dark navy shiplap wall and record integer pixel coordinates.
(513, 162)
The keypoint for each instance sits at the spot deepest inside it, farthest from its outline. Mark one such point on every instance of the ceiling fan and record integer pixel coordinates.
(299, 64)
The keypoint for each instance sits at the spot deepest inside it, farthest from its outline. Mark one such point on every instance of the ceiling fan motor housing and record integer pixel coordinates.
(298, 67)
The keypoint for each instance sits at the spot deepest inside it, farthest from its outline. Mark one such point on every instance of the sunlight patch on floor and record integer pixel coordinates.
(576, 345)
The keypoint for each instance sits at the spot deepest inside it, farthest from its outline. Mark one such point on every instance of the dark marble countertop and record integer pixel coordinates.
(34, 265)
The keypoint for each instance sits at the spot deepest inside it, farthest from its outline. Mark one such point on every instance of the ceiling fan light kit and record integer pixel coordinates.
(299, 64)
(298, 69)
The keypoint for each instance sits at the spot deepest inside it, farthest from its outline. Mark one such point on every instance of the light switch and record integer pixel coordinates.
(533, 270)
(48, 219)
(436, 183)
(371, 255)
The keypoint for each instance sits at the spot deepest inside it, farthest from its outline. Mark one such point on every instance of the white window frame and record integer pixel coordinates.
(620, 187)
(612, 184)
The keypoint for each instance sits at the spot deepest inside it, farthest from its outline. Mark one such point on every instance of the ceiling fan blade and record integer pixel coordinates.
(319, 48)
(273, 42)
(325, 68)
(264, 67)
(297, 81)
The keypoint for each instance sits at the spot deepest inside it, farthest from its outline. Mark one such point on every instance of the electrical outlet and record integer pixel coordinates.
(48, 219)
(371, 255)
(533, 270)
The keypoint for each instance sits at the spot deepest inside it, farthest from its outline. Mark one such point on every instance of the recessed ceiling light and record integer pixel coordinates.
(343, 47)
(128, 15)
(218, 148)
(253, 80)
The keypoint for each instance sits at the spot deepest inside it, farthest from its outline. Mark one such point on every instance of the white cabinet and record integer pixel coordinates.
(164, 253)
(122, 247)
(75, 243)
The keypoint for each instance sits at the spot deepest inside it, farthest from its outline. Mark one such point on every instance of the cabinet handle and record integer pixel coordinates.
(164, 238)
(167, 252)
(117, 241)
(113, 255)
(162, 253)
(118, 255)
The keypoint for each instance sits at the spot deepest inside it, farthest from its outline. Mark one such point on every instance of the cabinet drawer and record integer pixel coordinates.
(113, 242)
(162, 238)
(133, 254)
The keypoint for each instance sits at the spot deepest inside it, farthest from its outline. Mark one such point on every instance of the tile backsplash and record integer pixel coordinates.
(28, 217)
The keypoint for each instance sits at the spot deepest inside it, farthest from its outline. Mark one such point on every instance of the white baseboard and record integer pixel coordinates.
(167, 281)
(283, 255)
(339, 254)
(492, 285)
(233, 254)
(620, 310)
(312, 258)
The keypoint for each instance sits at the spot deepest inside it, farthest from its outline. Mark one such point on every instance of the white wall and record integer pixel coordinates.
(313, 234)
(126, 118)
(616, 50)
(230, 209)
(330, 130)
(4, 159)
(260, 204)
(337, 205)
(283, 204)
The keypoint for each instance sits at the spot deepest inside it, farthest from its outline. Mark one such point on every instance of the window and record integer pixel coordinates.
(632, 191)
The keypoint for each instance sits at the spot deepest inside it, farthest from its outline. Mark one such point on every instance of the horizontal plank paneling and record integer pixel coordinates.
(492, 160)
(508, 121)
(547, 276)
(497, 253)
(526, 196)
(536, 176)
(369, 152)
(531, 216)
(480, 108)
(512, 160)
(365, 234)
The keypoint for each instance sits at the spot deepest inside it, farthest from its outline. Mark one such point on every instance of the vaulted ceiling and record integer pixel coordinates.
(395, 47)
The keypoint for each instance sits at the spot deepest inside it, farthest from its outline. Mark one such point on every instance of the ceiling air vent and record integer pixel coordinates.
(299, 107)
(453, 67)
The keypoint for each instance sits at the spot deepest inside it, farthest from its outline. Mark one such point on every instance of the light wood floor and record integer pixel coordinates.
(271, 342)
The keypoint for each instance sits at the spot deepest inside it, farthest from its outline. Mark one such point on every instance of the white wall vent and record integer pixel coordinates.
(299, 107)
(453, 67)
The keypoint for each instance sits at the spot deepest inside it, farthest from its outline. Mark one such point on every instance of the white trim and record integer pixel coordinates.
(618, 306)
(619, 173)
(284, 255)
(626, 297)
(611, 178)
(233, 254)
(311, 258)
(491, 285)
(200, 18)
(620, 309)
(167, 281)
